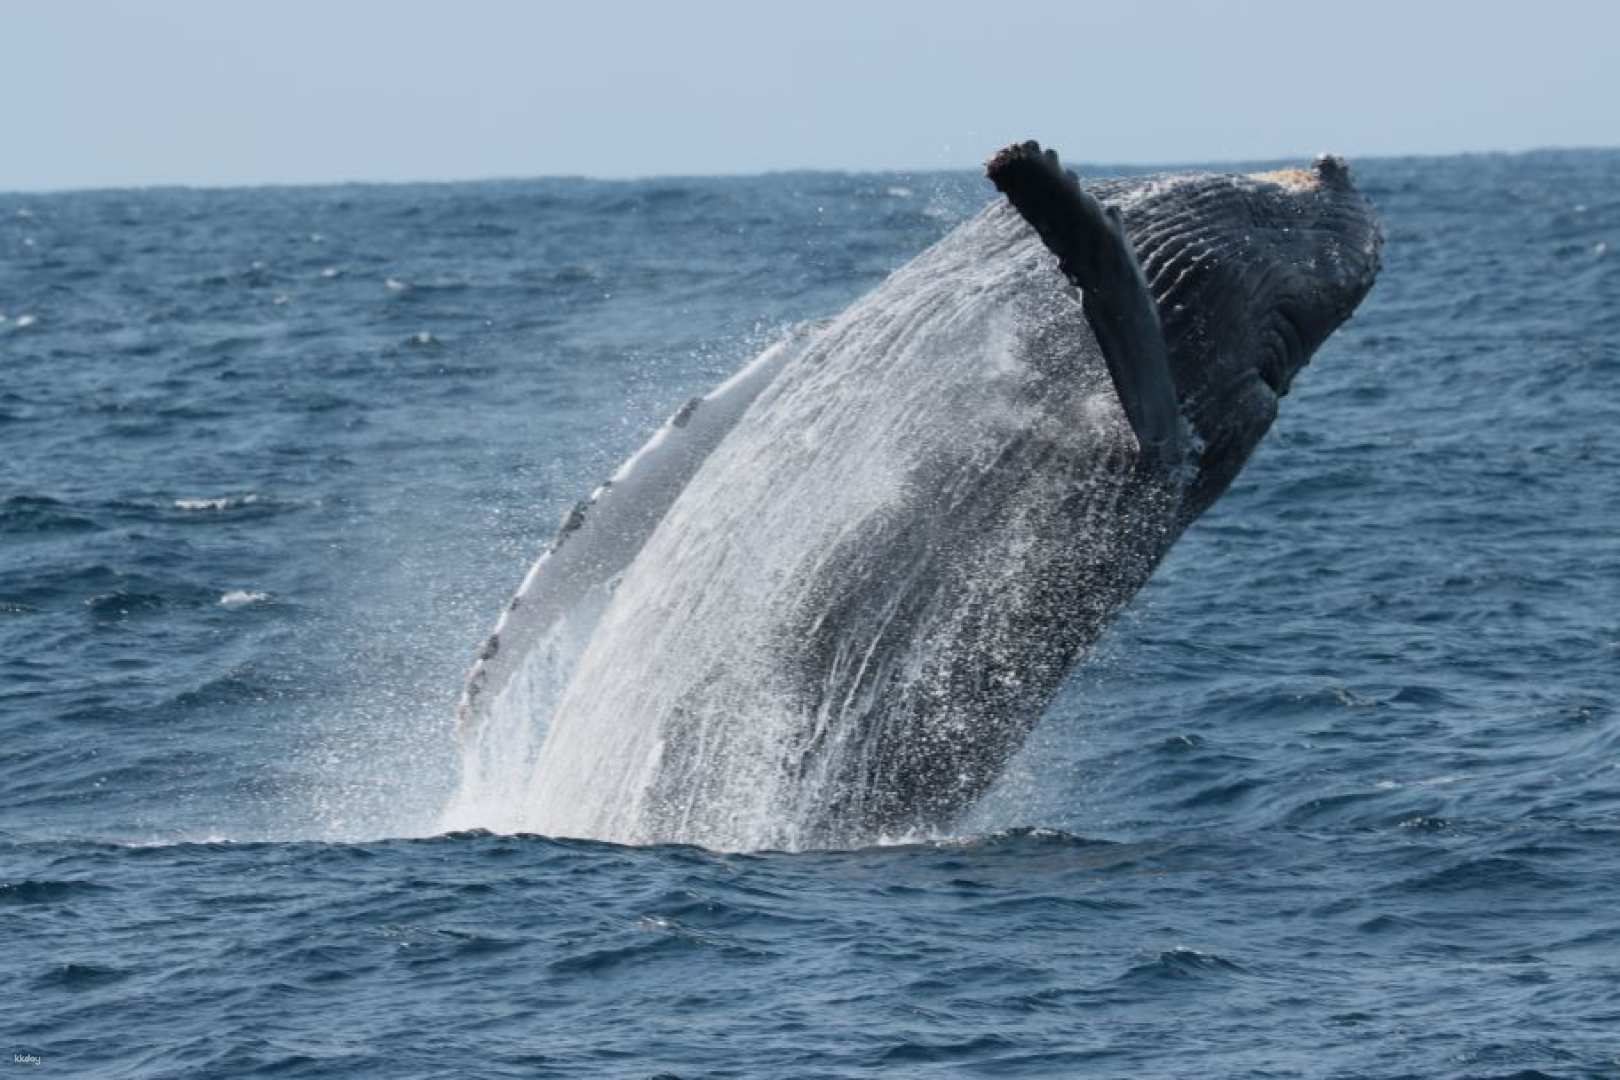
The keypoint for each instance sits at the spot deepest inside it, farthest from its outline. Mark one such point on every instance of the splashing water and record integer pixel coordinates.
(892, 490)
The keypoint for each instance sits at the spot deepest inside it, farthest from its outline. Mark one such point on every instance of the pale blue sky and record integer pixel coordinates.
(217, 92)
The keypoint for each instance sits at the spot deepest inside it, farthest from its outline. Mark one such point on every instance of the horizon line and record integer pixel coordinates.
(1092, 168)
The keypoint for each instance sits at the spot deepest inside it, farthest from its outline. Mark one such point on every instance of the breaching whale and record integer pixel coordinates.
(828, 600)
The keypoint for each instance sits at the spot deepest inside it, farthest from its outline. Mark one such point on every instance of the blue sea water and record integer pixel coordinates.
(1339, 796)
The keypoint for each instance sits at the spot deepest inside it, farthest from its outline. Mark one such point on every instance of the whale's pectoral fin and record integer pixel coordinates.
(565, 591)
(1096, 256)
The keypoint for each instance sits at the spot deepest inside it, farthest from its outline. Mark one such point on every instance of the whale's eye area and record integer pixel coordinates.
(1283, 349)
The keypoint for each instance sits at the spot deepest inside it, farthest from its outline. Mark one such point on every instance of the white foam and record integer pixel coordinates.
(242, 597)
(924, 378)
(223, 502)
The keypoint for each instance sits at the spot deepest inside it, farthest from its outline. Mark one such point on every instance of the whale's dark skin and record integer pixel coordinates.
(1205, 296)
(828, 601)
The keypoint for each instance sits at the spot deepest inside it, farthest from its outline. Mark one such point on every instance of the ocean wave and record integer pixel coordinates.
(23, 515)
(1344, 779)
(219, 502)
(48, 892)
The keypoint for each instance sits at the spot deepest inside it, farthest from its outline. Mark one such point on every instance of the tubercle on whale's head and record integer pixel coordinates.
(1329, 169)
(1326, 258)
(1251, 274)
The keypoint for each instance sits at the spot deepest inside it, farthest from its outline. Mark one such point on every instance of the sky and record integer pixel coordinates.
(215, 93)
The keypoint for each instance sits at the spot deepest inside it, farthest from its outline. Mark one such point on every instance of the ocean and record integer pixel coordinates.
(1339, 795)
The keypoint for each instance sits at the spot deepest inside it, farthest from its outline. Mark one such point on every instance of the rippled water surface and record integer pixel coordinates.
(1339, 797)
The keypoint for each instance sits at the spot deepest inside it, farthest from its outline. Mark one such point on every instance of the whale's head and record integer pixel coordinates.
(1251, 274)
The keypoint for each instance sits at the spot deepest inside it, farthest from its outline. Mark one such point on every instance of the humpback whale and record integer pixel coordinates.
(828, 601)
